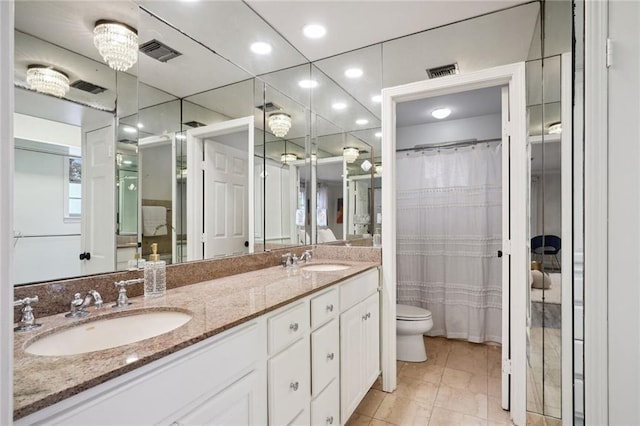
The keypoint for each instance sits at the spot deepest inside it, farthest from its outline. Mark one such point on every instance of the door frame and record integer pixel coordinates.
(195, 204)
(514, 298)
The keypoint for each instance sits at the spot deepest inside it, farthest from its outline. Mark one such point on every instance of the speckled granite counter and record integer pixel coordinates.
(215, 305)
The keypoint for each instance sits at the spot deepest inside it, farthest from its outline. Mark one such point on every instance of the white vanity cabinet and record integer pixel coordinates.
(221, 380)
(359, 340)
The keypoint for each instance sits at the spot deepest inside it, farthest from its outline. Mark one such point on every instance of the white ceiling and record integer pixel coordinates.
(229, 27)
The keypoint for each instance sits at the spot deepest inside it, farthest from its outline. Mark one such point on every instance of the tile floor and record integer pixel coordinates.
(459, 384)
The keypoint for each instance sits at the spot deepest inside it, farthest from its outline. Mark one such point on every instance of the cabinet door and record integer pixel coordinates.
(325, 356)
(325, 409)
(289, 377)
(351, 343)
(371, 333)
(235, 405)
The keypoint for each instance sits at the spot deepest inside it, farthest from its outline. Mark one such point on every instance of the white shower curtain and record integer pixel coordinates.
(449, 226)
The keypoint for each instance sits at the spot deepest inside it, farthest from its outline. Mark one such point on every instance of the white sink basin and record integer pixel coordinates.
(108, 333)
(325, 267)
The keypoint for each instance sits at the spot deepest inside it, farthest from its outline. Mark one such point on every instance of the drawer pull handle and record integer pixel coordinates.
(330, 356)
(294, 386)
(293, 327)
(330, 420)
(330, 307)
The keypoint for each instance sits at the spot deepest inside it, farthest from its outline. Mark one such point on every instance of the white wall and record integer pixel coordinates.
(333, 191)
(548, 197)
(155, 167)
(47, 131)
(276, 205)
(623, 218)
(480, 128)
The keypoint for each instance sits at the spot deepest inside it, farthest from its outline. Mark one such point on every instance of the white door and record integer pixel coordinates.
(219, 221)
(226, 213)
(351, 341)
(98, 241)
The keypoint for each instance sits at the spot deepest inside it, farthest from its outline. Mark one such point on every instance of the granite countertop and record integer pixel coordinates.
(215, 306)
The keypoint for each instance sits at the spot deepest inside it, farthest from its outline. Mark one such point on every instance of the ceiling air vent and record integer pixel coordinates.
(128, 141)
(442, 71)
(159, 51)
(88, 87)
(269, 107)
(194, 124)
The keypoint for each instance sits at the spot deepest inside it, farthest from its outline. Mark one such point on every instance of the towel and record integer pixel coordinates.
(154, 221)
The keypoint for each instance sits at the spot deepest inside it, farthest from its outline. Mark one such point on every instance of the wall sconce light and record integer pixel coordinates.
(279, 123)
(366, 165)
(47, 80)
(379, 169)
(117, 44)
(350, 154)
(288, 158)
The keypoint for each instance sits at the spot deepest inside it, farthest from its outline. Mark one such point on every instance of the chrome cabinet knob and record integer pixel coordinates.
(293, 327)
(330, 420)
(330, 308)
(330, 356)
(294, 386)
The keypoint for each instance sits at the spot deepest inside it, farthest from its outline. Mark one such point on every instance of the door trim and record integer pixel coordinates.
(195, 141)
(514, 76)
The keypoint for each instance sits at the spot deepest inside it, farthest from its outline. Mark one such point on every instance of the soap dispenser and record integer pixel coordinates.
(155, 274)
(134, 263)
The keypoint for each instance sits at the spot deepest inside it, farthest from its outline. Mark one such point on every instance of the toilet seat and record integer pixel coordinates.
(411, 313)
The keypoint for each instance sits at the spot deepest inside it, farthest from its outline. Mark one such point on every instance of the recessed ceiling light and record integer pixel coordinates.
(127, 162)
(378, 134)
(339, 105)
(314, 31)
(308, 84)
(353, 72)
(129, 129)
(441, 113)
(140, 125)
(362, 121)
(181, 137)
(376, 98)
(261, 48)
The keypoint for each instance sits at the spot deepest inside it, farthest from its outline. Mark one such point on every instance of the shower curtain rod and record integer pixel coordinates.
(455, 144)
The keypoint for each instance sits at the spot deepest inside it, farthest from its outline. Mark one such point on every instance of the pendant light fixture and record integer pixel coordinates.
(350, 154)
(279, 123)
(288, 158)
(117, 44)
(47, 80)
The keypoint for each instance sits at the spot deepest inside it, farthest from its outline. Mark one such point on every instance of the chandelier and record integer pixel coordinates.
(117, 44)
(288, 158)
(350, 154)
(47, 80)
(279, 123)
(555, 128)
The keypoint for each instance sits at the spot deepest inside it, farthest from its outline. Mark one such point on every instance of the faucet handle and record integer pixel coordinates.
(307, 256)
(286, 260)
(122, 299)
(28, 320)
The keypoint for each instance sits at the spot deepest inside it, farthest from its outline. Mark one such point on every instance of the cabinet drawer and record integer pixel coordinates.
(289, 383)
(324, 307)
(358, 288)
(325, 356)
(287, 326)
(325, 409)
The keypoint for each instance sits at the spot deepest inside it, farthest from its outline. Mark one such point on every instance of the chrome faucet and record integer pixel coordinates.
(306, 256)
(122, 299)
(78, 305)
(287, 260)
(27, 321)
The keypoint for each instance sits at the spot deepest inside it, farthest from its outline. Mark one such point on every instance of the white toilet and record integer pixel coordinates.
(411, 323)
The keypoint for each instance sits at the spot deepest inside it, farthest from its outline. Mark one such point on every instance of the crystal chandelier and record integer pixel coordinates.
(279, 123)
(350, 154)
(47, 80)
(117, 44)
(288, 158)
(555, 128)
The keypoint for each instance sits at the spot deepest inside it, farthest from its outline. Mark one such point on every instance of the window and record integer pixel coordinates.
(72, 188)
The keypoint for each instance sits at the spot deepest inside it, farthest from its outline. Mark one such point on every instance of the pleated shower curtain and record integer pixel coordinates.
(449, 227)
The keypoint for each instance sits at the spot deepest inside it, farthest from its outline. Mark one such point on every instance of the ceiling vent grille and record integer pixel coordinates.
(159, 51)
(85, 86)
(451, 69)
(269, 107)
(194, 124)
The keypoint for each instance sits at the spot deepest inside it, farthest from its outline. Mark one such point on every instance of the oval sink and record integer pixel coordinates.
(107, 333)
(325, 267)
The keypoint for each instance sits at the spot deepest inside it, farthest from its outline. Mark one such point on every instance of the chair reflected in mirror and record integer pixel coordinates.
(542, 245)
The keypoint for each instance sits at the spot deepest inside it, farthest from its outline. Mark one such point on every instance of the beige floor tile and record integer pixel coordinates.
(378, 383)
(534, 419)
(476, 383)
(371, 402)
(377, 422)
(444, 417)
(552, 421)
(472, 362)
(403, 411)
(495, 413)
(419, 391)
(358, 420)
(494, 387)
(462, 401)
(423, 371)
